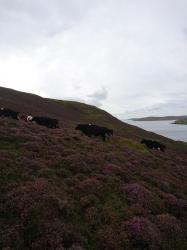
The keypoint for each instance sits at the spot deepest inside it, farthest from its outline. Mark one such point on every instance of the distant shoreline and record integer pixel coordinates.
(164, 118)
(180, 122)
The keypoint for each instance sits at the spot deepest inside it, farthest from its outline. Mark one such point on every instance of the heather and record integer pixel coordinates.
(62, 190)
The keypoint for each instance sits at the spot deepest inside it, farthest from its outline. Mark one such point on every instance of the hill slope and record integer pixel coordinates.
(62, 190)
(69, 113)
(65, 111)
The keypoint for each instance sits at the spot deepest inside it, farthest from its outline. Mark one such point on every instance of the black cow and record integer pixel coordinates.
(153, 144)
(9, 113)
(91, 129)
(45, 121)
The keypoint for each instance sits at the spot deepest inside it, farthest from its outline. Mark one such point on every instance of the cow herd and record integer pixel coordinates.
(87, 129)
(44, 121)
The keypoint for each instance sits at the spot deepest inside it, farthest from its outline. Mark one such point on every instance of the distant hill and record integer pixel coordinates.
(181, 121)
(60, 189)
(157, 118)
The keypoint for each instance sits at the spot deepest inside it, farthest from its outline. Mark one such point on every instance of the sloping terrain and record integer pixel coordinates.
(62, 190)
(69, 113)
(66, 111)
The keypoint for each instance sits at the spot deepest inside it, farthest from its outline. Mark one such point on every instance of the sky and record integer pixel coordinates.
(128, 57)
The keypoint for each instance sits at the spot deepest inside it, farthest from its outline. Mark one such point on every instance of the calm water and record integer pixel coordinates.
(165, 128)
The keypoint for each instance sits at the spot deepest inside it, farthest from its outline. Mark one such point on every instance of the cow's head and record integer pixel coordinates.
(78, 127)
(143, 141)
(111, 132)
(29, 118)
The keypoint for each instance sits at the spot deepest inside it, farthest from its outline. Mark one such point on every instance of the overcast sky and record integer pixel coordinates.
(128, 57)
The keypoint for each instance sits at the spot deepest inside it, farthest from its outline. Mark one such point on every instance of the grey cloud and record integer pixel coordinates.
(185, 32)
(99, 94)
(98, 97)
(26, 23)
(175, 106)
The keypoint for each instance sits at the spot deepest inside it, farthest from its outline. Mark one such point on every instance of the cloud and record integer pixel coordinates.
(98, 97)
(185, 32)
(178, 104)
(129, 54)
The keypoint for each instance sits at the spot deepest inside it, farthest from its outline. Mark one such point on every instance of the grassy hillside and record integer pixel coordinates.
(66, 111)
(69, 113)
(62, 190)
